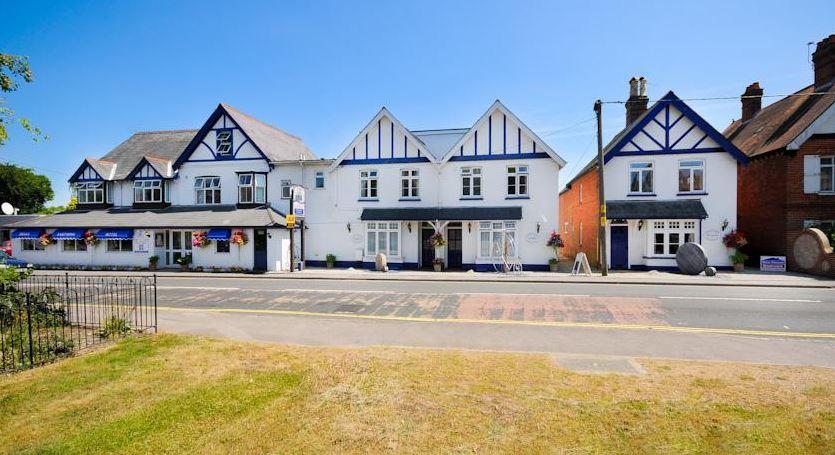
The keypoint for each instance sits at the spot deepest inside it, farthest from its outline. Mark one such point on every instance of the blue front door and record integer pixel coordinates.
(620, 247)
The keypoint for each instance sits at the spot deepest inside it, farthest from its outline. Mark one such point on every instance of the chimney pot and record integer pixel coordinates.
(752, 101)
(824, 61)
(637, 103)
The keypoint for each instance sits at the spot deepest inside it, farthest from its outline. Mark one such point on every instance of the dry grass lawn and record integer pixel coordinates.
(197, 395)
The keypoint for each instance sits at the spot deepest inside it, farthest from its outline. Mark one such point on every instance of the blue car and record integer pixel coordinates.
(9, 261)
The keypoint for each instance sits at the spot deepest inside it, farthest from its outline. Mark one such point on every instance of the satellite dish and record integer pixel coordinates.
(8, 209)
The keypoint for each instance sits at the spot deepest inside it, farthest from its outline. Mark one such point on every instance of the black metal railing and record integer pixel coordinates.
(46, 317)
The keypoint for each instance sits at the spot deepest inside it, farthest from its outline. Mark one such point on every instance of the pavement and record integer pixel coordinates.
(751, 277)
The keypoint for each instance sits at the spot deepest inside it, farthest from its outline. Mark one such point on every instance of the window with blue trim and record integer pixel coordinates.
(223, 142)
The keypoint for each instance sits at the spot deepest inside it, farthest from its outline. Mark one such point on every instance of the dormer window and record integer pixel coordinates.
(223, 142)
(147, 191)
(89, 192)
(207, 189)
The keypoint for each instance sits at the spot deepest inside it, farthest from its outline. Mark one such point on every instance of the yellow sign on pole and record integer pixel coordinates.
(291, 221)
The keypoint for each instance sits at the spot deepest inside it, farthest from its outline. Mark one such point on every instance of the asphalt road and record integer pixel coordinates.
(763, 325)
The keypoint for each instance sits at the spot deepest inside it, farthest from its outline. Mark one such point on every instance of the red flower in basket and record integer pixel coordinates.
(239, 238)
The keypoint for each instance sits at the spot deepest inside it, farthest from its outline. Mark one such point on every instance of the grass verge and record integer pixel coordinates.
(171, 393)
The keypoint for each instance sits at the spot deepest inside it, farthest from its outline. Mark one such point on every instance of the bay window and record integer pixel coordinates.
(89, 192)
(640, 178)
(668, 235)
(691, 176)
(147, 191)
(382, 237)
(497, 239)
(252, 188)
(207, 189)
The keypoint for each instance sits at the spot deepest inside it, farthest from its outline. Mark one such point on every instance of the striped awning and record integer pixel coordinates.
(219, 234)
(115, 234)
(68, 234)
(29, 233)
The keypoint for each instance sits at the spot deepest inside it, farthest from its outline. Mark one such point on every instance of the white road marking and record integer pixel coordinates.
(746, 299)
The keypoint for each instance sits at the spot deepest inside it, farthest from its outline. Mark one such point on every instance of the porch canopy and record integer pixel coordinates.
(656, 210)
(219, 234)
(442, 214)
(27, 233)
(115, 234)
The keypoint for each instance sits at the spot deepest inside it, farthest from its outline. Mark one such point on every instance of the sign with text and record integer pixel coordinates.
(298, 201)
(291, 220)
(773, 263)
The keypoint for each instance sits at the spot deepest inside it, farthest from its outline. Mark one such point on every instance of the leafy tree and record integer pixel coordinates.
(23, 188)
(14, 68)
(71, 205)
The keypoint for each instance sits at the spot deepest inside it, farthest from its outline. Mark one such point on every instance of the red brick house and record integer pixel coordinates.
(579, 202)
(789, 183)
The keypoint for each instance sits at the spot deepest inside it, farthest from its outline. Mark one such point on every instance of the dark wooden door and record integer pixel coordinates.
(260, 245)
(427, 251)
(620, 247)
(453, 253)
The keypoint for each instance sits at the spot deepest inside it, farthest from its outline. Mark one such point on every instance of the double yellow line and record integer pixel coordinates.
(588, 325)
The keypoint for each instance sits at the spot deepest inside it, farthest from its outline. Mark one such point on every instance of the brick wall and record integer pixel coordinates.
(761, 193)
(573, 210)
(801, 206)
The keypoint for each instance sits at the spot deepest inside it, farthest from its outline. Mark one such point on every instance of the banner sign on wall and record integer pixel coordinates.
(773, 263)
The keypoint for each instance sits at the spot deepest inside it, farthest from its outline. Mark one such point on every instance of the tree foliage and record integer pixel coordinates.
(14, 68)
(23, 188)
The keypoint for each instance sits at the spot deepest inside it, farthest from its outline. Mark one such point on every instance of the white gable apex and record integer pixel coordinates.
(384, 139)
(670, 130)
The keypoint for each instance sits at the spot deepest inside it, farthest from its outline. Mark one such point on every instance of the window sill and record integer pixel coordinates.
(699, 193)
(408, 199)
(368, 200)
(826, 193)
(660, 257)
(517, 197)
(471, 198)
(641, 195)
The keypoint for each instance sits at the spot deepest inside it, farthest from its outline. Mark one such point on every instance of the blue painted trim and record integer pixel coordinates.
(518, 140)
(667, 129)
(671, 99)
(409, 199)
(675, 122)
(461, 151)
(244, 142)
(379, 138)
(405, 147)
(413, 159)
(696, 145)
(641, 195)
(142, 163)
(475, 143)
(139, 179)
(517, 197)
(490, 267)
(671, 268)
(366, 145)
(368, 199)
(653, 140)
(236, 159)
(74, 178)
(198, 138)
(354, 153)
(636, 146)
(504, 132)
(682, 136)
(500, 157)
(691, 194)
(391, 265)
(337, 264)
(392, 139)
(471, 198)
(662, 152)
(534, 147)
(490, 134)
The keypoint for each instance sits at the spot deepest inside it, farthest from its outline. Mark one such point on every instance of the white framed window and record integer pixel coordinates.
(368, 184)
(320, 180)
(409, 184)
(471, 182)
(640, 177)
(382, 237)
(89, 192)
(252, 188)
(31, 245)
(73, 245)
(286, 186)
(691, 176)
(223, 142)
(207, 190)
(120, 245)
(517, 180)
(496, 238)
(221, 246)
(668, 235)
(147, 191)
(827, 173)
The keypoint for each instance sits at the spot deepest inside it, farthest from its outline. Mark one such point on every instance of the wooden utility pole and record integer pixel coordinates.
(601, 230)
(292, 265)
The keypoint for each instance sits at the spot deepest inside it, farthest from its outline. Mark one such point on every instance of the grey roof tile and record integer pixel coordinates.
(656, 210)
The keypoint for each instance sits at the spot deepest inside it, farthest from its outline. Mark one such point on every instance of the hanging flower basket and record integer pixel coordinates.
(734, 239)
(198, 239)
(239, 238)
(437, 240)
(90, 238)
(46, 239)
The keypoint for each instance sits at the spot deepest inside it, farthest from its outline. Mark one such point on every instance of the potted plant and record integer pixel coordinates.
(330, 260)
(152, 262)
(184, 262)
(555, 242)
(736, 240)
(438, 264)
(738, 260)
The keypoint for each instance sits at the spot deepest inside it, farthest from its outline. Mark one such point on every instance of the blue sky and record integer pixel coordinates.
(321, 70)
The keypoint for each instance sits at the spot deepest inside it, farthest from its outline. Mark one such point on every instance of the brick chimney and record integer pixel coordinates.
(824, 60)
(637, 103)
(752, 101)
